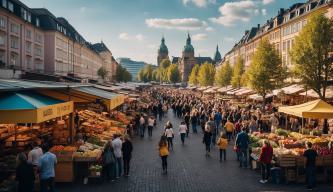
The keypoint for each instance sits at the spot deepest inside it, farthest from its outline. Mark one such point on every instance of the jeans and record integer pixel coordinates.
(187, 130)
(110, 171)
(265, 171)
(170, 144)
(164, 162)
(119, 167)
(182, 137)
(207, 147)
(126, 165)
(194, 128)
(47, 185)
(217, 125)
(243, 157)
(229, 135)
(160, 115)
(214, 137)
(142, 130)
(150, 131)
(311, 177)
(224, 152)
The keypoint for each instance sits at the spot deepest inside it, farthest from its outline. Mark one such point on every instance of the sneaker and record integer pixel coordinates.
(262, 181)
(266, 181)
(117, 177)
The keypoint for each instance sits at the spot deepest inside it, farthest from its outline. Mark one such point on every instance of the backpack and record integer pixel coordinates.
(108, 157)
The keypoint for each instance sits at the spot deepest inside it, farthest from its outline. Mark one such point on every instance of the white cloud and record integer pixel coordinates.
(199, 3)
(126, 36)
(233, 12)
(229, 39)
(209, 29)
(266, 2)
(199, 37)
(83, 9)
(180, 24)
(202, 52)
(152, 46)
(263, 11)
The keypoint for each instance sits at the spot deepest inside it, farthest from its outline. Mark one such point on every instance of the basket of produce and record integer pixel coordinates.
(282, 132)
(95, 170)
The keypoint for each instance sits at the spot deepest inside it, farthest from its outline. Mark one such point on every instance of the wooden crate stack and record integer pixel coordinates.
(288, 163)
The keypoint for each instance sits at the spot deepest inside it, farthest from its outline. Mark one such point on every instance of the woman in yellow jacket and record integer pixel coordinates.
(222, 144)
(164, 152)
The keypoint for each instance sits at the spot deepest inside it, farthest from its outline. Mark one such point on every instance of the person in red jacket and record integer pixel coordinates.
(265, 159)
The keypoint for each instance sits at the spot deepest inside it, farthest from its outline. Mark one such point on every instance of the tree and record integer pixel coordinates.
(238, 70)
(122, 75)
(155, 75)
(206, 74)
(310, 54)
(193, 78)
(266, 72)
(165, 63)
(223, 75)
(141, 75)
(173, 74)
(102, 72)
(148, 72)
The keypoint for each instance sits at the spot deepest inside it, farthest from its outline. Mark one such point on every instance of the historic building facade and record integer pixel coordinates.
(187, 61)
(162, 53)
(34, 40)
(280, 31)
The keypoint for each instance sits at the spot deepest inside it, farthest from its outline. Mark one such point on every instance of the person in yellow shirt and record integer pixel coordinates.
(164, 152)
(229, 127)
(222, 143)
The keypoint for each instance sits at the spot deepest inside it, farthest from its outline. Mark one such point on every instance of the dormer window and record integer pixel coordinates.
(297, 12)
(37, 22)
(4, 3)
(10, 6)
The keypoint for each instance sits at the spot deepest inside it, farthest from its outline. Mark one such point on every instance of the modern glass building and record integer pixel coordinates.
(132, 66)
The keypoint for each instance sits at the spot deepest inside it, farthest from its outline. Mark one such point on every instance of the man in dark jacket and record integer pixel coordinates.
(242, 144)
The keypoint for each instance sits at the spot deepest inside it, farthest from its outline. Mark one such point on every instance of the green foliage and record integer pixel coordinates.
(223, 75)
(266, 72)
(310, 54)
(102, 72)
(122, 75)
(238, 71)
(173, 74)
(146, 74)
(165, 63)
(193, 78)
(206, 74)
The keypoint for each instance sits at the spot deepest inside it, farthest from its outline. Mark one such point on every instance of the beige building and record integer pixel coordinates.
(281, 31)
(21, 38)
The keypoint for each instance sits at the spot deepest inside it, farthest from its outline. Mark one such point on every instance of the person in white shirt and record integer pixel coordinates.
(169, 134)
(35, 154)
(142, 126)
(117, 146)
(151, 122)
(182, 131)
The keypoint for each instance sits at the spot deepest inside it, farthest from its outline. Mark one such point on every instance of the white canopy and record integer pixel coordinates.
(312, 93)
(225, 89)
(258, 97)
(292, 89)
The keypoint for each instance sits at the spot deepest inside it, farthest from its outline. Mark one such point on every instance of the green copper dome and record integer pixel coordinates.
(163, 48)
(188, 48)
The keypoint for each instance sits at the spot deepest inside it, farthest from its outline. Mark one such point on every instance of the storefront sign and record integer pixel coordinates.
(53, 111)
(97, 107)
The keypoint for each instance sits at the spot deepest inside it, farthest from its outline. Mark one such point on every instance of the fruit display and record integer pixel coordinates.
(61, 148)
(96, 168)
(282, 132)
(122, 118)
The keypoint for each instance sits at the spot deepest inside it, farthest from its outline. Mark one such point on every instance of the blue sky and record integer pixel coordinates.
(133, 28)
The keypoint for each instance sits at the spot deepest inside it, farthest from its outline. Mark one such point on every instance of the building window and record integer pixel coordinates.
(14, 28)
(28, 47)
(38, 51)
(14, 59)
(10, 6)
(14, 43)
(4, 3)
(284, 45)
(2, 57)
(2, 39)
(29, 63)
(39, 38)
(28, 33)
(37, 22)
(2, 22)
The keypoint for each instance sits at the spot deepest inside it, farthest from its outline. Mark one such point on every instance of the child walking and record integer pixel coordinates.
(222, 143)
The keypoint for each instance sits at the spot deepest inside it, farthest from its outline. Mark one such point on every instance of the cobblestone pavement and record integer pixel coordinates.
(188, 170)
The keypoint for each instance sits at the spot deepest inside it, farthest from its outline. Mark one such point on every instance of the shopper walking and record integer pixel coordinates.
(46, 166)
(151, 122)
(187, 122)
(265, 158)
(310, 166)
(229, 128)
(127, 149)
(117, 146)
(242, 144)
(222, 143)
(182, 131)
(194, 122)
(109, 162)
(169, 134)
(164, 152)
(35, 154)
(142, 126)
(25, 175)
(207, 139)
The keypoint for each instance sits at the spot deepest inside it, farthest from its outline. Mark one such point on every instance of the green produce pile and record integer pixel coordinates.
(282, 132)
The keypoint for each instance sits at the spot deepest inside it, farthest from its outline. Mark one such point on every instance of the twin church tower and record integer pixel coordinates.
(187, 61)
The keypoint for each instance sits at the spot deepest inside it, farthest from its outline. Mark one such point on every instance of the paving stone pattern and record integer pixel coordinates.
(188, 170)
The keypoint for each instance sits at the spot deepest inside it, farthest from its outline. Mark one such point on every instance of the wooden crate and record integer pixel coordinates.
(287, 160)
(290, 175)
(320, 161)
(300, 161)
(328, 161)
(64, 172)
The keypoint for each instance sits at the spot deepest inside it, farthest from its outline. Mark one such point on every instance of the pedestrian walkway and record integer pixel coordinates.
(188, 169)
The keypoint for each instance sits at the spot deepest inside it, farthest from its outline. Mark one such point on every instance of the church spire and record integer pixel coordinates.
(217, 56)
